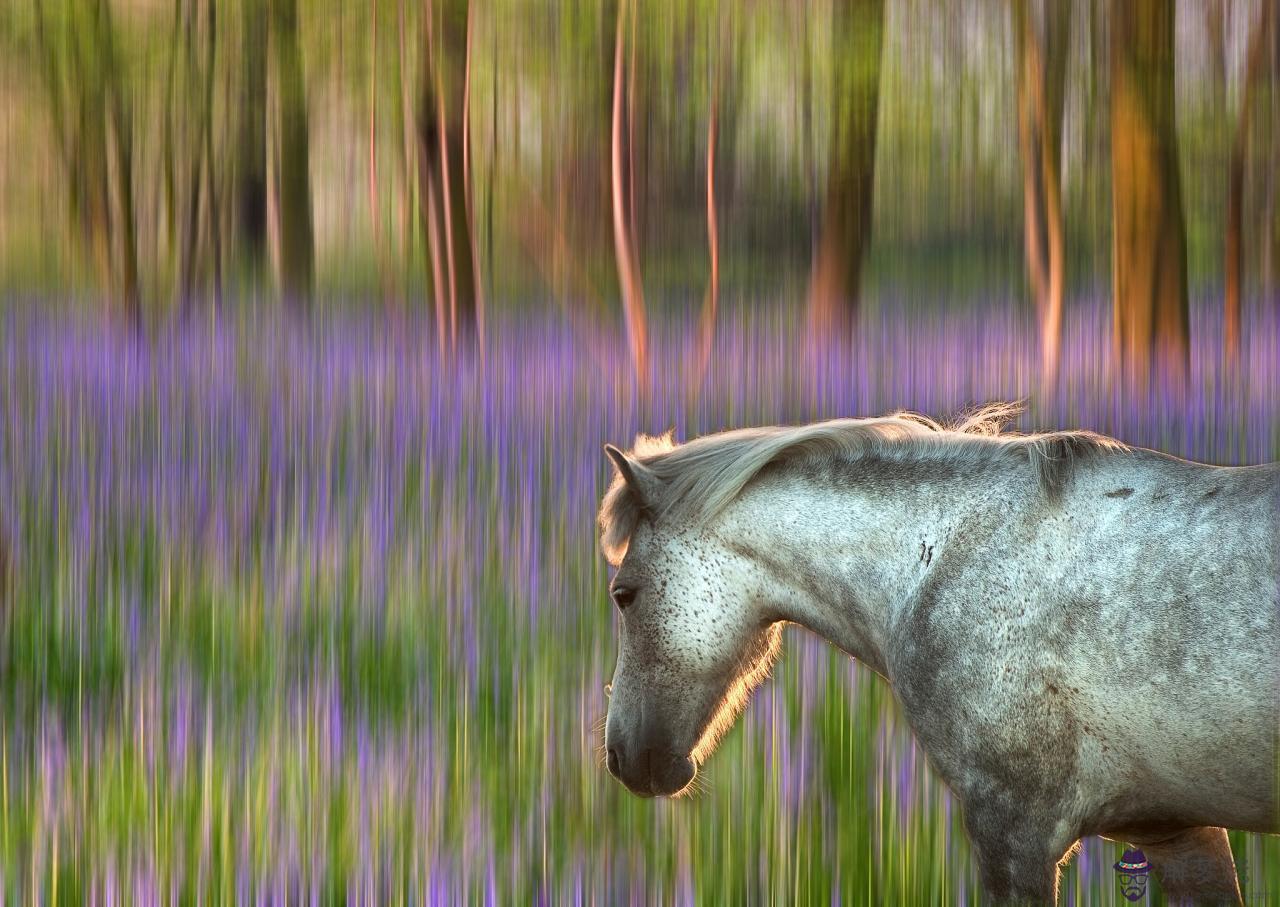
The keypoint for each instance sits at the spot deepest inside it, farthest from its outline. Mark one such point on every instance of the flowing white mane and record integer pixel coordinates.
(696, 480)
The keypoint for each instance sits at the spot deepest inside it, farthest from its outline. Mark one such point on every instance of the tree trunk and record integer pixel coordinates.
(190, 141)
(214, 187)
(293, 180)
(1030, 121)
(116, 124)
(125, 232)
(858, 39)
(1041, 92)
(1149, 243)
(1234, 253)
(251, 141)
(444, 195)
(92, 131)
(624, 243)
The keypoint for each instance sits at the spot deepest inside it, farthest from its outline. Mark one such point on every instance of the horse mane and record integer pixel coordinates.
(701, 477)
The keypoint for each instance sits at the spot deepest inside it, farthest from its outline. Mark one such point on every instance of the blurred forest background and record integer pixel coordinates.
(615, 159)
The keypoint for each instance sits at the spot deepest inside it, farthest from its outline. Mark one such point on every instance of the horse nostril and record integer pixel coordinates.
(611, 761)
(680, 772)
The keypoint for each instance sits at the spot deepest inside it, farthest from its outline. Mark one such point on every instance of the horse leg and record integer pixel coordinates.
(1195, 867)
(1013, 879)
(1018, 851)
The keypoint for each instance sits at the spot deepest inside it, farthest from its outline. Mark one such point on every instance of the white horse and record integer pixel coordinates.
(1084, 636)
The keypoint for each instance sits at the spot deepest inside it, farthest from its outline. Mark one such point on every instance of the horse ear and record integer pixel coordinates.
(639, 478)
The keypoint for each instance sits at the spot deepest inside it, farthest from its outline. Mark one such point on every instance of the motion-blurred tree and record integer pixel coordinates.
(858, 39)
(250, 150)
(93, 134)
(295, 254)
(1042, 65)
(444, 168)
(722, 75)
(622, 182)
(201, 141)
(1233, 267)
(1149, 242)
(192, 188)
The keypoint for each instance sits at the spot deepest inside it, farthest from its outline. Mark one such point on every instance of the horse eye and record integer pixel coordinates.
(623, 596)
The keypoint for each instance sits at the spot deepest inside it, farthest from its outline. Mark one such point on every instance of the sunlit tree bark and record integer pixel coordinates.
(1234, 264)
(1149, 244)
(623, 213)
(1030, 118)
(430, 148)
(1041, 91)
(858, 38)
(295, 266)
(443, 155)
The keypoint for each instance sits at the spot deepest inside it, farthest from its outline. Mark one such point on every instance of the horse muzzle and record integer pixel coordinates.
(650, 771)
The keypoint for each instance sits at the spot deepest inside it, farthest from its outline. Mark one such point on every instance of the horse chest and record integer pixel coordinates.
(981, 699)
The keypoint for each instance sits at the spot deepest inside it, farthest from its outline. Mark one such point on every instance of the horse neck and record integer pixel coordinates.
(843, 557)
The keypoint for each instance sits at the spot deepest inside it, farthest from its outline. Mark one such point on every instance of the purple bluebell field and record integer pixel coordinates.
(301, 611)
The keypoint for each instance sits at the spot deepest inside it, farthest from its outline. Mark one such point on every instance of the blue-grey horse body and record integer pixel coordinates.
(1084, 637)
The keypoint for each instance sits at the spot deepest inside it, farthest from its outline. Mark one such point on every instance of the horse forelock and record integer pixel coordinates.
(701, 477)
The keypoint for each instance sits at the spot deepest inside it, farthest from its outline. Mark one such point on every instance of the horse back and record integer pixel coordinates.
(1175, 579)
